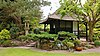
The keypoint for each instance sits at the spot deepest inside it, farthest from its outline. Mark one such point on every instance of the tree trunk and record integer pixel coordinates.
(91, 26)
(18, 21)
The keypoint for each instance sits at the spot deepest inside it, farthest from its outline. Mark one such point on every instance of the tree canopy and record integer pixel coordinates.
(88, 12)
(17, 9)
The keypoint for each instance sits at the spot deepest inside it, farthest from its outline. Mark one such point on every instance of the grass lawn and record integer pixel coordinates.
(28, 52)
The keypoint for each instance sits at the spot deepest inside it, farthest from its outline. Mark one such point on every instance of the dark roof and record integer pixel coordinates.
(58, 17)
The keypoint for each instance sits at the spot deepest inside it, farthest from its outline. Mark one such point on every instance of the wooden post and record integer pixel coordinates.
(44, 27)
(86, 32)
(78, 31)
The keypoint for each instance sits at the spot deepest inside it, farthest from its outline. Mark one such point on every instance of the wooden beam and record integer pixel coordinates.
(78, 30)
(86, 32)
(44, 27)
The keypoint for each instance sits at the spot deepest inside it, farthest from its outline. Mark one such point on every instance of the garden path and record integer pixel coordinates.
(58, 51)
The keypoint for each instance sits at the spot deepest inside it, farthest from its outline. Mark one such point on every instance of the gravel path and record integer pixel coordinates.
(90, 50)
(58, 51)
(66, 51)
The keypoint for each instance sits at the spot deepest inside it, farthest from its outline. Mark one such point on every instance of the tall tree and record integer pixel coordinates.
(88, 12)
(16, 9)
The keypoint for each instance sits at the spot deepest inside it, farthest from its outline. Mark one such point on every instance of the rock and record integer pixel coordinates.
(92, 43)
(83, 43)
(90, 46)
(85, 48)
(31, 44)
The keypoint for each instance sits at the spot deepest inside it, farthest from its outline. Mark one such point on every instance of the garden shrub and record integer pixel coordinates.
(70, 39)
(6, 43)
(45, 39)
(69, 35)
(97, 43)
(4, 34)
(32, 37)
(77, 42)
(5, 38)
(70, 44)
(23, 37)
(65, 42)
(62, 33)
(37, 31)
(29, 37)
(44, 33)
(89, 46)
(96, 36)
(14, 31)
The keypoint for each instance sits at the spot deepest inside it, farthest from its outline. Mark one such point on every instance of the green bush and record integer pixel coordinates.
(70, 40)
(4, 34)
(95, 38)
(62, 33)
(37, 31)
(70, 44)
(77, 42)
(23, 37)
(97, 43)
(28, 37)
(47, 36)
(32, 37)
(6, 43)
(67, 35)
(14, 31)
(44, 33)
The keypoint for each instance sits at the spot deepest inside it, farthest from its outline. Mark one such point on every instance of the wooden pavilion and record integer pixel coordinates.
(57, 24)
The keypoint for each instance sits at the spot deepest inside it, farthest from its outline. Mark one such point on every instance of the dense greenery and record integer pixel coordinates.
(69, 39)
(97, 43)
(4, 34)
(17, 11)
(5, 38)
(97, 28)
(53, 40)
(88, 12)
(36, 37)
(68, 34)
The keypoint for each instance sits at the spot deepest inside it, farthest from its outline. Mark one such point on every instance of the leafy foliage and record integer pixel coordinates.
(88, 12)
(23, 38)
(32, 37)
(47, 36)
(62, 33)
(14, 30)
(96, 36)
(67, 35)
(4, 34)
(70, 40)
(70, 44)
(36, 30)
(77, 42)
(16, 10)
(36, 37)
(6, 43)
(4, 38)
(97, 43)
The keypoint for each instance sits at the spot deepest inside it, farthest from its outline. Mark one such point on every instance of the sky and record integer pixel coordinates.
(55, 5)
